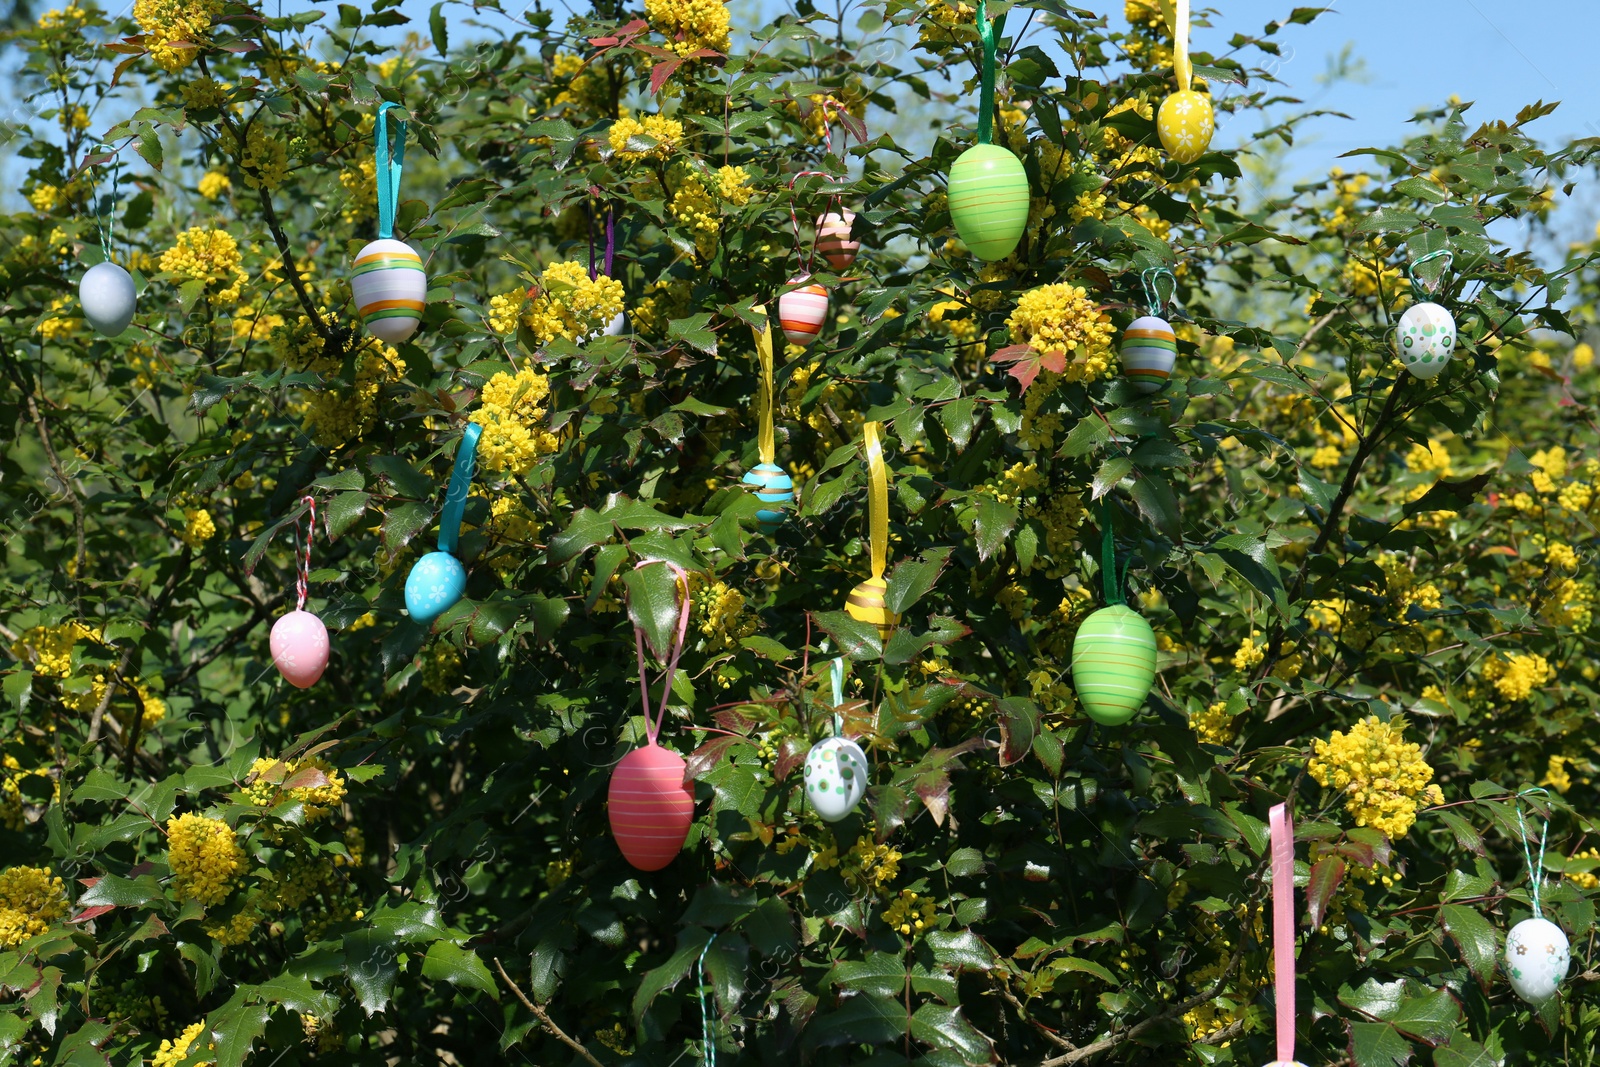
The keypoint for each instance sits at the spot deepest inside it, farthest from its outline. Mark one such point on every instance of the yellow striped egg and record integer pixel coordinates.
(865, 604)
(390, 289)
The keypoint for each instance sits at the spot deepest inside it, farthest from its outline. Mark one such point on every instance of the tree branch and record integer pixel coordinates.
(544, 1018)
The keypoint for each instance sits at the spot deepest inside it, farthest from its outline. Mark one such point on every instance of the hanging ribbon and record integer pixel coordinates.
(836, 671)
(652, 727)
(806, 259)
(302, 581)
(878, 498)
(766, 439)
(1150, 280)
(986, 37)
(1108, 558)
(708, 1045)
(611, 242)
(1535, 873)
(1422, 288)
(389, 166)
(455, 498)
(1283, 927)
(1178, 22)
(105, 221)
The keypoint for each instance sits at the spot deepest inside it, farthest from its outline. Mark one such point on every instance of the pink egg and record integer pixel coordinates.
(834, 242)
(300, 648)
(801, 312)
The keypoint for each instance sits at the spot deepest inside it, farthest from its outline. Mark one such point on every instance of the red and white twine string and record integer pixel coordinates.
(303, 579)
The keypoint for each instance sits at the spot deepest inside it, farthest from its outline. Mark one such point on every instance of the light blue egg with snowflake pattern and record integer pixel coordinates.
(434, 585)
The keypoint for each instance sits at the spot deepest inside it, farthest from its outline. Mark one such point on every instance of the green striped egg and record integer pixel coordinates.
(989, 200)
(1113, 664)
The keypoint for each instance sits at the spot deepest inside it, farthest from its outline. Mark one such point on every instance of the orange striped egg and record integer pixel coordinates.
(390, 289)
(834, 242)
(1149, 349)
(801, 312)
(650, 807)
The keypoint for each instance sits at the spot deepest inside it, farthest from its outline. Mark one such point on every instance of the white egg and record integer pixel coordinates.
(616, 326)
(1537, 956)
(1426, 339)
(836, 777)
(107, 296)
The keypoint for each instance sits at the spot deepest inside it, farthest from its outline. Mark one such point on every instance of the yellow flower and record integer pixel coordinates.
(655, 137)
(1326, 457)
(512, 412)
(697, 212)
(1214, 726)
(198, 528)
(910, 914)
(45, 197)
(566, 303)
(31, 898)
(171, 1053)
(317, 801)
(205, 857)
(1556, 775)
(1516, 677)
(1582, 356)
(1584, 879)
(1561, 556)
(505, 311)
(720, 612)
(213, 183)
(209, 256)
(1430, 458)
(70, 17)
(1382, 775)
(266, 159)
(201, 93)
(441, 666)
(174, 30)
(690, 25)
(1061, 319)
(733, 185)
(1250, 653)
(557, 871)
(361, 187)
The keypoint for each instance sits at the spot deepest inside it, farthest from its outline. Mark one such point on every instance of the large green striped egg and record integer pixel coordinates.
(989, 200)
(1113, 664)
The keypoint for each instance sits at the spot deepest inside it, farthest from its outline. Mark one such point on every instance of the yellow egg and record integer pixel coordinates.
(1185, 123)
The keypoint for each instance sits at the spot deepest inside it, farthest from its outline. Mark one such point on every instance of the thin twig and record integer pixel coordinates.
(544, 1018)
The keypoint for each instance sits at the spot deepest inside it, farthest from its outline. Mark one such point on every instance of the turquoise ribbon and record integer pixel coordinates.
(455, 498)
(390, 164)
(986, 74)
(836, 670)
(1420, 287)
(708, 1050)
(1535, 874)
(105, 222)
(1150, 279)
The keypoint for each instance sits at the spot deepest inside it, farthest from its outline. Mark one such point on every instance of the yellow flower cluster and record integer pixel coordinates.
(910, 914)
(45, 197)
(440, 667)
(174, 30)
(690, 25)
(198, 527)
(1584, 879)
(1362, 280)
(1515, 677)
(1402, 586)
(1060, 318)
(176, 1051)
(733, 185)
(719, 611)
(361, 189)
(202, 93)
(209, 256)
(50, 647)
(70, 17)
(266, 159)
(205, 857)
(1556, 775)
(1214, 726)
(1430, 458)
(566, 303)
(871, 865)
(1250, 653)
(271, 775)
(511, 412)
(339, 414)
(653, 138)
(213, 183)
(1382, 775)
(556, 872)
(31, 898)
(697, 212)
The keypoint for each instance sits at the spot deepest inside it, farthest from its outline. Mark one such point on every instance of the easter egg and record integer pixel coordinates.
(1286, 1063)
(617, 326)
(773, 487)
(390, 289)
(300, 648)
(1425, 339)
(834, 242)
(649, 806)
(989, 200)
(1149, 348)
(1185, 123)
(107, 296)
(1537, 956)
(435, 583)
(801, 312)
(865, 604)
(1113, 664)
(835, 777)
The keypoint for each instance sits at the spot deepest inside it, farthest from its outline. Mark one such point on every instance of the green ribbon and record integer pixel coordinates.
(986, 74)
(1535, 874)
(105, 221)
(1418, 286)
(1108, 559)
(708, 1050)
(836, 670)
(1150, 279)
(390, 164)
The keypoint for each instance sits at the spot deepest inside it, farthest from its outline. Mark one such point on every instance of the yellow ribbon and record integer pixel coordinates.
(877, 497)
(1177, 14)
(766, 443)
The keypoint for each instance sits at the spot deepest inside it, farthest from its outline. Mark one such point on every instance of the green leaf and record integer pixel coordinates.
(1388, 220)
(858, 640)
(1089, 434)
(960, 949)
(436, 30)
(1112, 471)
(343, 510)
(911, 579)
(121, 892)
(1378, 1045)
(660, 979)
(655, 599)
(403, 523)
(295, 993)
(1475, 937)
(370, 964)
(992, 524)
(447, 962)
(878, 974)
(235, 1032)
(695, 332)
(942, 1026)
(1159, 505)
(1326, 874)
(862, 1020)
(150, 148)
(400, 478)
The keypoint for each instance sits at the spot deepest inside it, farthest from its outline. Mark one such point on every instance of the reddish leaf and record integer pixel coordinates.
(791, 754)
(1026, 363)
(1325, 878)
(92, 913)
(857, 128)
(661, 72)
(306, 778)
(708, 755)
(734, 719)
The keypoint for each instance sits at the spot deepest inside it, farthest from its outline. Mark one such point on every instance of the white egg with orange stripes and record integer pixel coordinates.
(390, 289)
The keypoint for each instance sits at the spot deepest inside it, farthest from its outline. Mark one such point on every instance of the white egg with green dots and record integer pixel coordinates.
(835, 777)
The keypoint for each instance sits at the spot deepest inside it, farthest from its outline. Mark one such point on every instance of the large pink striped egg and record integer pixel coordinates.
(801, 312)
(649, 806)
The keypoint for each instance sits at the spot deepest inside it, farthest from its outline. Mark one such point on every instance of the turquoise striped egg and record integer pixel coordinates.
(773, 487)
(1113, 664)
(1149, 349)
(989, 200)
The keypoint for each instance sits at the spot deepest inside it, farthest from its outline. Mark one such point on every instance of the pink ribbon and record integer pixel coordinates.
(1283, 927)
(652, 728)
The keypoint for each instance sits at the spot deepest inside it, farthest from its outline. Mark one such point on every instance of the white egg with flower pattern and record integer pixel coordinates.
(1537, 957)
(836, 777)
